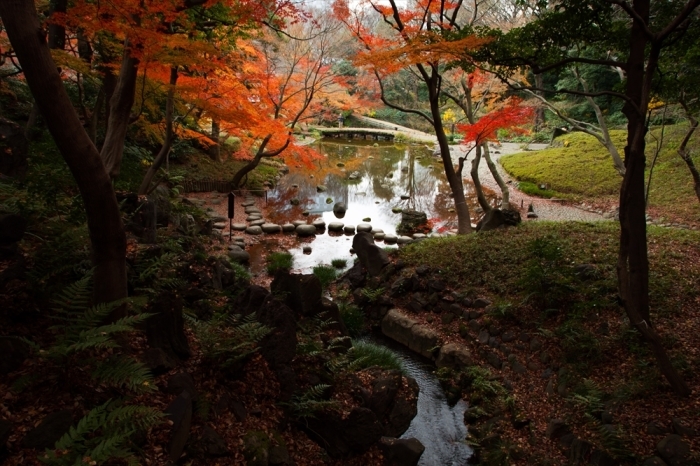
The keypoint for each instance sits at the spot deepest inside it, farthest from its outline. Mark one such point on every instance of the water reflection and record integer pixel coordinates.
(387, 176)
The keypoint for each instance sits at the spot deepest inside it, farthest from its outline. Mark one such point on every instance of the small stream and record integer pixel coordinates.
(438, 426)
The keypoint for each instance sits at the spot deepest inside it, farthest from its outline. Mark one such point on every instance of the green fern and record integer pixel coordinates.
(102, 435)
(308, 403)
(125, 371)
(372, 295)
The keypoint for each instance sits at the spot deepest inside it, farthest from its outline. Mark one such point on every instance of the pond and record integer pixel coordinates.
(371, 179)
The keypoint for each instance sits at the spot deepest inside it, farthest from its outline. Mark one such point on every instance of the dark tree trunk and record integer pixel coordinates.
(539, 111)
(57, 34)
(119, 112)
(104, 219)
(685, 153)
(215, 150)
(477, 182)
(633, 261)
(168, 140)
(250, 166)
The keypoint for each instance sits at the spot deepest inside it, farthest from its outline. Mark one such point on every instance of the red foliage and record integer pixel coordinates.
(510, 116)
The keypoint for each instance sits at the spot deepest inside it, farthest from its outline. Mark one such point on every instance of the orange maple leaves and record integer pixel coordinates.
(510, 117)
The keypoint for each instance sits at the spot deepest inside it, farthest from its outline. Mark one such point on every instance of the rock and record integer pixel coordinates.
(654, 461)
(219, 225)
(165, 329)
(160, 197)
(158, 361)
(580, 452)
(12, 228)
(14, 351)
(321, 188)
(674, 451)
(254, 230)
(294, 201)
(302, 293)
(240, 256)
(408, 332)
(508, 336)
(403, 239)
(296, 223)
(270, 228)
(341, 437)
(379, 236)
(181, 382)
(401, 452)
(454, 356)
(400, 286)
(306, 230)
(447, 318)
(5, 432)
(279, 347)
(256, 446)
(396, 210)
(656, 428)
(180, 413)
(279, 456)
(49, 430)
(257, 223)
(679, 427)
(493, 359)
(239, 226)
(288, 228)
(556, 429)
(212, 444)
(339, 209)
(349, 229)
(366, 227)
(335, 226)
(411, 220)
(481, 303)
(371, 257)
(390, 239)
(496, 218)
(253, 210)
(532, 215)
(306, 250)
(517, 367)
(319, 224)
(483, 336)
(14, 147)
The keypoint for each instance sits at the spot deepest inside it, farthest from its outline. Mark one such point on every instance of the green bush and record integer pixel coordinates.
(353, 318)
(326, 274)
(339, 263)
(372, 355)
(279, 261)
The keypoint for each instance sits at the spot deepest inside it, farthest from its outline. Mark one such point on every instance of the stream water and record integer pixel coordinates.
(371, 179)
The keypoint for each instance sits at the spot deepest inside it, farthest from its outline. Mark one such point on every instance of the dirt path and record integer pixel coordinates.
(546, 209)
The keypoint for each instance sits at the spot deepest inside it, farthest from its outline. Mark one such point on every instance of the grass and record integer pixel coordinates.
(279, 261)
(326, 274)
(373, 355)
(339, 263)
(581, 169)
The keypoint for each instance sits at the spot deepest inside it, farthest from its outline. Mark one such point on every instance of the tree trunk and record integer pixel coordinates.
(477, 182)
(633, 261)
(168, 140)
(215, 150)
(104, 219)
(95, 117)
(505, 192)
(539, 111)
(685, 153)
(261, 153)
(119, 112)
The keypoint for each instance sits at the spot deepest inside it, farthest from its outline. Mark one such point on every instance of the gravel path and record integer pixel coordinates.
(546, 209)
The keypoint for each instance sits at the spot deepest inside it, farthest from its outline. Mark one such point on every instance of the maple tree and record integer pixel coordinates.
(422, 38)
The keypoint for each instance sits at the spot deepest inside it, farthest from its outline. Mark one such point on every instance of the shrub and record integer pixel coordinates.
(279, 261)
(373, 355)
(326, 274)
(339, 263)
(353, 318)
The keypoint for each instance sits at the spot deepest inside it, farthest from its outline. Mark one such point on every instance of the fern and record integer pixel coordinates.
(125, 371)
(372, 295)
(102, 434)
(308, 403)
(65, 253)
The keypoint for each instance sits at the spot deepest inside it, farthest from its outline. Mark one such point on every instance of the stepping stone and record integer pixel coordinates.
(254, 230)
(404, 239)
(306, 249)
(270, 228)
(349, 229)
(378, 230)
(220, 225)
(288, 227)
(364, 227)
(305, 213)
(239, 226)
(247, 204)
(216, 218)
(252, 210)
(306, 230)
(379, 236)
(252, 218)
(397, 210)
(299, 222)
(336, 226)
(419, 235)
(257, 223)
(319, 223)
(239, 255)
(235, 247)
(390, 239)
(405, 197)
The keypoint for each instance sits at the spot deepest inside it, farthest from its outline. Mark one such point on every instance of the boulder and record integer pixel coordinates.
(654, 461)
(411, 220)
(321, 188)
(239, 255)
(679, 427)
(349, 229)
(454, 356)
(12, 228)
(254, 230)
(496, 218)
(302, 293)
(257, 223)
(165, 329)
(339, 209)
(364, 227)
(556, 429)
(239, 226)
(335, 226)
(319, 223)
(160, 197)
(306, 230)
(401, 452)
(181, 382)
(14, 351)
(372, 258)
(158, 361)
(180, 413)
(212, 444)
(13, 149)
(49, 430)
(674, 451)
(270, 228)
(403, 239)
(288, 228)
(408, 332)
(342, 437)
(279, 346)
(390, 239)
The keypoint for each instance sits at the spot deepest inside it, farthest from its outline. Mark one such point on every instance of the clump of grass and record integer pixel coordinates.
(326, 274)
(279, 261)
(353, 318)
(373, 355)
(339, 263)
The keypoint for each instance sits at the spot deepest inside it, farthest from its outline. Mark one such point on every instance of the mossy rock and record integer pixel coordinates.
(256, 448)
